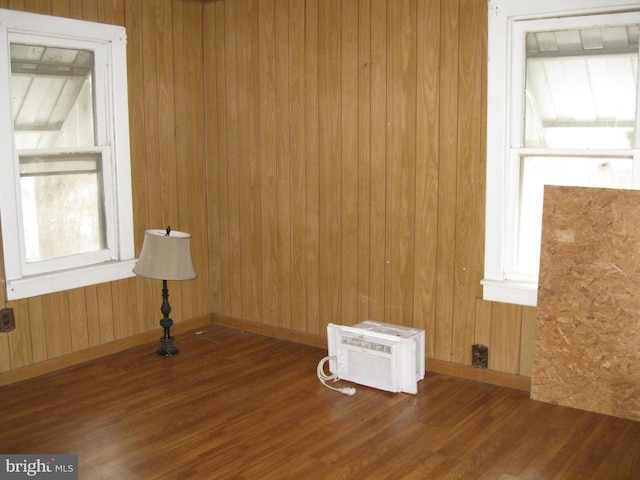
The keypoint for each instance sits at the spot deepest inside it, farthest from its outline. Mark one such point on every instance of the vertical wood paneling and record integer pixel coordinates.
(177, 86)
(527, 336)
(75, 9)
(401, 162)
(165, 91)
(326, 155)
(377, 246)
(5, 354)
(105, 312)
(77, 304)
(90, 10)
(196, 300)
(504, 353)
(427, 145)
(269, 158)
(221, 155)
(210, 42)
(311, 166)
(153, 201)
(232, 164)
(93, 319)
(349, 187)
(283, 163)
(110, 11)
(364, 159)
(38, 329)
(298, 163)
(135, 67)
(145, 109)
(38, 6)
(127, 321)
(447, 179)
(14, 4)
(249, 166)
(470, 178)
(482, 330)
(61, 9)
(57, 324)
(329, 159)
(20, 348)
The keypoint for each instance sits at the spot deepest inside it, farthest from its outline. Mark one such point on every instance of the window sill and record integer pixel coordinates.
(66, 280)
(520, 293)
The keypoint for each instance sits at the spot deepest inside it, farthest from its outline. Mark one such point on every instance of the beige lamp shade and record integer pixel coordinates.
(166, 257)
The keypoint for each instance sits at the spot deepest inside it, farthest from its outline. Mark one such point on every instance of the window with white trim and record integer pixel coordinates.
(562, 110)
(65, 188)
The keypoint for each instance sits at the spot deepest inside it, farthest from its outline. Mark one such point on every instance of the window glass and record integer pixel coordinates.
(581, 88)
(580, 95)
(62, 205)
(62, 200)
(51, 90)
(538, 171)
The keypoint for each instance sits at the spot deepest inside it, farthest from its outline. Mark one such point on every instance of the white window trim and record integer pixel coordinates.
(502, 16)
(18, 284)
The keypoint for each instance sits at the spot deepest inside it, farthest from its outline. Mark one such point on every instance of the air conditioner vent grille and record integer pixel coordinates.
(365, 343)
(370, 370)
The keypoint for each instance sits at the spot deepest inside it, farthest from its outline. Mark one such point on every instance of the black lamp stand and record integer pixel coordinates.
(167, 349)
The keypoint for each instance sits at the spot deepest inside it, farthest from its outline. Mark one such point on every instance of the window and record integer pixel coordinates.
(65, 189)
(562, 110)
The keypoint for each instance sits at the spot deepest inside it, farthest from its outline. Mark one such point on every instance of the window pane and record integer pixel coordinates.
(52, 96)
(62, 205)
(578, 172)
(581, 88)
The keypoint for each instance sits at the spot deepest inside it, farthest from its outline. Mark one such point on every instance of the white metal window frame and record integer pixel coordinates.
(505, 118)
(109, 44)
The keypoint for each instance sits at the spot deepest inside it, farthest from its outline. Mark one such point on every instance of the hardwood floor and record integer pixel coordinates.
(234, 405)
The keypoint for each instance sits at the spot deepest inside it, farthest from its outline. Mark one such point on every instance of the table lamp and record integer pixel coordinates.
(166, 255)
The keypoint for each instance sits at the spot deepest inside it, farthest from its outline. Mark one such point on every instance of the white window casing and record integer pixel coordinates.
(509, 20)
(108, 42)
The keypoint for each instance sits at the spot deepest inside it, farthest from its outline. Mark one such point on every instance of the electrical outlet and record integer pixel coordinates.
(479, 356)
(7, 320)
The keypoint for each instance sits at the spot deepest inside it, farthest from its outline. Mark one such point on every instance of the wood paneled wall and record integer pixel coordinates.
(166, 91)
(328, 157)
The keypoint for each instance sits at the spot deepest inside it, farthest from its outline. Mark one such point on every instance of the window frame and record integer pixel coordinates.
(24, 282)
(505, 118)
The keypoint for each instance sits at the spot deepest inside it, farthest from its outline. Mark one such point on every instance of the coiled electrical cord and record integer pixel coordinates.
(324, 378)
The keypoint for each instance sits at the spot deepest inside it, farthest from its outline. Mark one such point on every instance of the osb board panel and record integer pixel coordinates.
(587, 352)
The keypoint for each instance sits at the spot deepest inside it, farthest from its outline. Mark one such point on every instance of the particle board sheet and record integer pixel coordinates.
(587, 352)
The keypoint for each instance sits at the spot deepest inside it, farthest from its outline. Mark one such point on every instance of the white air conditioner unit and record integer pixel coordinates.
(379, 355)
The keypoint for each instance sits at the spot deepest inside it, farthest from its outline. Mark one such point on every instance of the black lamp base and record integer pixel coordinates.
(167, 349)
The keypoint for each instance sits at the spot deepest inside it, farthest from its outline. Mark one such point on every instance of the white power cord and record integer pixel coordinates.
(324, 378)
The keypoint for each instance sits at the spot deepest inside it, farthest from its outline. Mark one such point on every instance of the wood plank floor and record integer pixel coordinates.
(234, 405)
